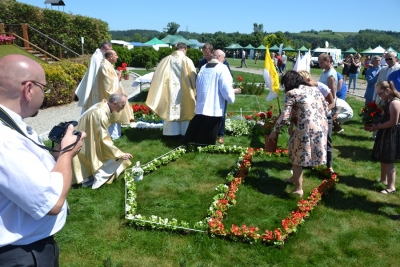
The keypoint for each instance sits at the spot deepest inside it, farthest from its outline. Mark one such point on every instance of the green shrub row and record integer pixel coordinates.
(148, 57)
(64, 77)
(63, 27)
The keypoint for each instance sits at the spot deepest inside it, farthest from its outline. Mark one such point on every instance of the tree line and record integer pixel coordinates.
(310, 39)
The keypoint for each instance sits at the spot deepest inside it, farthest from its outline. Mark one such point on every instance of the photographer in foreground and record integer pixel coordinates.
(34, 184)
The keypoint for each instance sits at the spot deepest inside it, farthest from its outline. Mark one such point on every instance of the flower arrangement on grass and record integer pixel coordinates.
(371, 113)
(238, 126)
(145, 114)
(265, 120)
(224, 199)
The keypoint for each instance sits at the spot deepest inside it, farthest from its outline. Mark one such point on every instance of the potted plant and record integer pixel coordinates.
(370, 114)
(265, 122)
(137, 172)
(124, 71)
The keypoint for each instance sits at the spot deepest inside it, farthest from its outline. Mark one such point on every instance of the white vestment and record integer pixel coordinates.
(85, 86)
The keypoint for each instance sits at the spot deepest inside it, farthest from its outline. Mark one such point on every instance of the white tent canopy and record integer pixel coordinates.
(379, 50)
(122, 43)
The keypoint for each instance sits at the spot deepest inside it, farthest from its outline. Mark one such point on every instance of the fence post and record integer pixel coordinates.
(25, 34)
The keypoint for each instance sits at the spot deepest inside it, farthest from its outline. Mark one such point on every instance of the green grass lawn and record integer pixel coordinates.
(350, 227)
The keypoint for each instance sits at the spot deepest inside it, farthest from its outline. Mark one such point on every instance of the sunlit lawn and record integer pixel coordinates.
(350, 227)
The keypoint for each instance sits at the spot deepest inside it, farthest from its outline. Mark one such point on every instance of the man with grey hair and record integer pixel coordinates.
(392, 65)
(214, 86)
(85, 86)
(372, 76)
(100, 160)
(208, 53)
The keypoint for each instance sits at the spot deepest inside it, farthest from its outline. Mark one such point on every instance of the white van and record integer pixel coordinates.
(334, 52)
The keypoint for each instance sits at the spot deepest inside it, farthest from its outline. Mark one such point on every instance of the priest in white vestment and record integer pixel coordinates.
(85, 86)
(172, 92)
(107, 83)
(99, 160)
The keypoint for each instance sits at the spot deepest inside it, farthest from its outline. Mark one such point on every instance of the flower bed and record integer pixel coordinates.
(223, 200)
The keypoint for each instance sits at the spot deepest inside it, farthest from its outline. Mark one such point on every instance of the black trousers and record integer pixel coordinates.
(42, 253)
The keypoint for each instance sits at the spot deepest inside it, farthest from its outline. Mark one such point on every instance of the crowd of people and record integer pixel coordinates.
(193, 104)
(318, 108)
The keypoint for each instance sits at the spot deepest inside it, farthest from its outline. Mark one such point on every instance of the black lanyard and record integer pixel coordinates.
(11, 123)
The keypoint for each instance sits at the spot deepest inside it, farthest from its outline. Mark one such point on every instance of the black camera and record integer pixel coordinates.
(57, 133)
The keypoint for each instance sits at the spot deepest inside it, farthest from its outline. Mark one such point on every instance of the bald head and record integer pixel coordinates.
(17, 92)
(220, 55)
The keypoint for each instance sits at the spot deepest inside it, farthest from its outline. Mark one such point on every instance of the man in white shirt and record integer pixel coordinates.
(34, 184)
(243, 61)
(342, 113)
(214, 86)
(392, 65)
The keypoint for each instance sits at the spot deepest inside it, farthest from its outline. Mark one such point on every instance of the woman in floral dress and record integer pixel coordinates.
(387, 142)
(307, 144)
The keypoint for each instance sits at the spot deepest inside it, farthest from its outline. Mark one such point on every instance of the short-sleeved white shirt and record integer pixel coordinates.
(28, 188)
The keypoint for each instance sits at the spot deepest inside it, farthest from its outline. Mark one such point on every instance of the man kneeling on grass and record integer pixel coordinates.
(100, 160)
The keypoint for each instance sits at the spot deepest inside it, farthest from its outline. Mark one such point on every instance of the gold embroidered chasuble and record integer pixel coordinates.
(106, 84)
(98, 146)
(172, 93)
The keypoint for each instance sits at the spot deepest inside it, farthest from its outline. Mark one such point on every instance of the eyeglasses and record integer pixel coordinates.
(45, 88)
(380, 93)
(388, 58)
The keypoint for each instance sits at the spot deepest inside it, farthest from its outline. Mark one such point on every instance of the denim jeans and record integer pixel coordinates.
(353, 78)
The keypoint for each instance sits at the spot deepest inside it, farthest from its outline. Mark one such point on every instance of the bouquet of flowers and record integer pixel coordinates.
(239, 84)
(266, 119)
(123, 69)
(371, 113)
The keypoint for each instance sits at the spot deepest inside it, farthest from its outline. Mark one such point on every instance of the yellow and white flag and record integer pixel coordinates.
(271, 77)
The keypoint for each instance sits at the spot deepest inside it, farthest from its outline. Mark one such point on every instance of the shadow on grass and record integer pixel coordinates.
(263, 182)
(356, 138)
(138, 135)
(355, 153)
(340, 200)
(356, 182)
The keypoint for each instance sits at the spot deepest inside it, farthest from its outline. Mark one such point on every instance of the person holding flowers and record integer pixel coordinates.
(387, 142)
(308, 143)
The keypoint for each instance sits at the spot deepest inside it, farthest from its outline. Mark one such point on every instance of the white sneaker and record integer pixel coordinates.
(341, 131)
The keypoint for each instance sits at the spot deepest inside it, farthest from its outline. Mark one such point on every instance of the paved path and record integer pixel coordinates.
(47, 118)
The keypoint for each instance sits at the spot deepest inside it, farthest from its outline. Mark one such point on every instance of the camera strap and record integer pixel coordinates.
(4, 117)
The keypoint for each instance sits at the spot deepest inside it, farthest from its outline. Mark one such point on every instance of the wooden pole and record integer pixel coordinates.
(25, 34)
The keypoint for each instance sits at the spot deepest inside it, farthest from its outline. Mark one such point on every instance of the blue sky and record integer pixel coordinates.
(231, 16)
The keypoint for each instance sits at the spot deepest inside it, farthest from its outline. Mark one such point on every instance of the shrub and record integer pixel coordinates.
(252, 88)
(195, 55)
(144, 57)
(124, 55)
(64, 78)
(163, 52)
